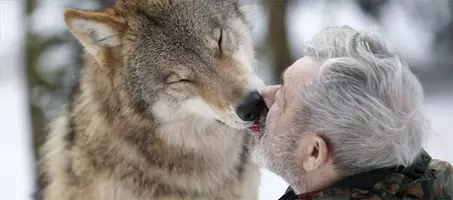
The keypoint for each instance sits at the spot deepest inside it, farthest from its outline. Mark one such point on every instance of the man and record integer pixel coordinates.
(346, 124)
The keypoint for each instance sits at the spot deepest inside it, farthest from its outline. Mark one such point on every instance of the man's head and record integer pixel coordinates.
(349, 105)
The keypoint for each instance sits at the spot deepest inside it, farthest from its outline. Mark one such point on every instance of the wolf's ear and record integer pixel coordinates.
(95, 29)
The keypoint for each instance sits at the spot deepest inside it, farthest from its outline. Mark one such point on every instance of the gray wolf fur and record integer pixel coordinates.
(152, 116)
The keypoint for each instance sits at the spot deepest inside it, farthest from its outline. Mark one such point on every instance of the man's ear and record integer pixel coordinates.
(95, 29)
(318, 153)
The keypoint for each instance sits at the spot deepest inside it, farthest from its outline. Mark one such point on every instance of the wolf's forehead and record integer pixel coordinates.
(195, 16)
(183, 24)
(180, 9)
(183, 19)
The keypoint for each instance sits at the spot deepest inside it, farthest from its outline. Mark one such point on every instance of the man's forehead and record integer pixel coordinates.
(303, 69)
(290, 78)
(291, 72)
(284, 75)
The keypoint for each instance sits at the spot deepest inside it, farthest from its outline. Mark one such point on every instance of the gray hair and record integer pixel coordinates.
(366, 102)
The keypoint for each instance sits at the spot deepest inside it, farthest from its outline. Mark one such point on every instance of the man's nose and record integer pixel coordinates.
(251, 106)
(268, 94)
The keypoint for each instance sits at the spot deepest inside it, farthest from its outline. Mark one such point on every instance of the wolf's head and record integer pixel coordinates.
(173, 59)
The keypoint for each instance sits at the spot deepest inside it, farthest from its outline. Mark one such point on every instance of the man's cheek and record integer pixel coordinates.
(272, 114)
(273, 117)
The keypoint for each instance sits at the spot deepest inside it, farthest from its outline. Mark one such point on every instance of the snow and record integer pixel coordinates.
(16, 156)
(15, 146)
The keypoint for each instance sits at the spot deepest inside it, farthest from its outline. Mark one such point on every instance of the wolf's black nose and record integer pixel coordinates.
(250, 108)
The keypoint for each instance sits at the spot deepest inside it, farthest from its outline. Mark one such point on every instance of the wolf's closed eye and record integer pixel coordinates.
(218, 38)
(219, 42)
(176, 78)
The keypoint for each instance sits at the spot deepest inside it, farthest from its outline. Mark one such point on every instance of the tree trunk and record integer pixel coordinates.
(277, 40)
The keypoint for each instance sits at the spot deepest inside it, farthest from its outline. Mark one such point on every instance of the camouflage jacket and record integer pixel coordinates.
(426, 179)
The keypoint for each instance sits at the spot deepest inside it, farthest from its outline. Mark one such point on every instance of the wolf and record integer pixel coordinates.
(158, 110)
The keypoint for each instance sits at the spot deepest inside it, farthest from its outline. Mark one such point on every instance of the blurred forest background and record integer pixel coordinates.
(420, 30)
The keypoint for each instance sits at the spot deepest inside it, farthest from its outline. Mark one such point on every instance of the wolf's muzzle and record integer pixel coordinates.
(251, 106)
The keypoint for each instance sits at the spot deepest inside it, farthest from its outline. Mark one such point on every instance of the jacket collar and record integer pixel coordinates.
(290, 195)
(367, 180)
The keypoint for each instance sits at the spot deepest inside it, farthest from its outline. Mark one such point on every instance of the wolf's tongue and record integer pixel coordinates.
(255, 127)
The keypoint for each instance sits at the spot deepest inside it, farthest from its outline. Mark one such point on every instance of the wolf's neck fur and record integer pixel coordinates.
(193, 154)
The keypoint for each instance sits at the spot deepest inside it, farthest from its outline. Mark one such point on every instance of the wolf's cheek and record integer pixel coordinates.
(244, 53)
(200, 108)
(167, 111)
(227, 116)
